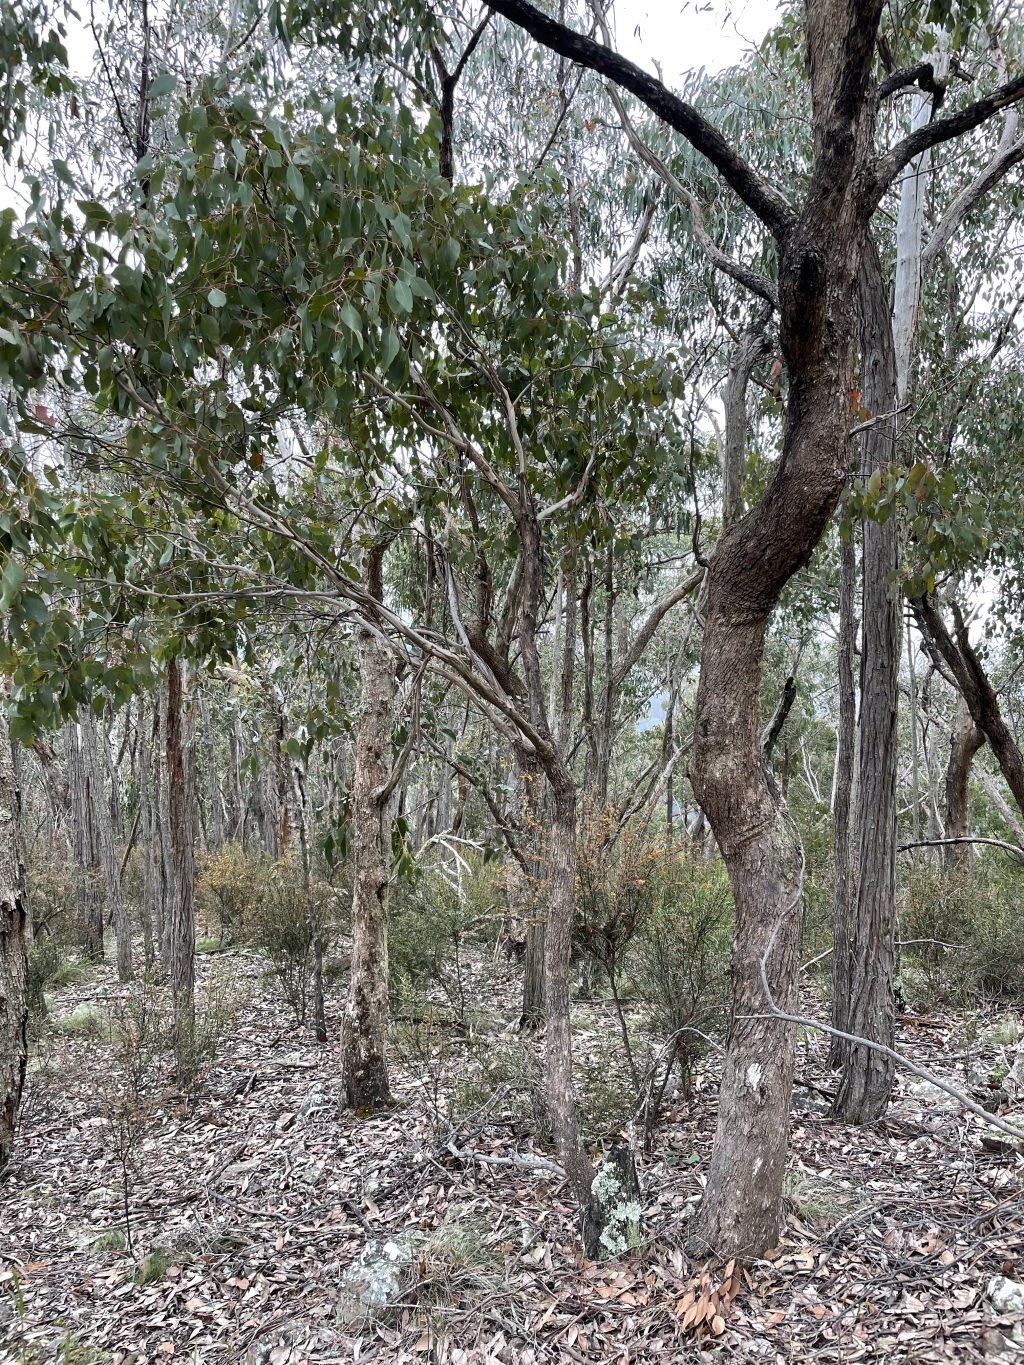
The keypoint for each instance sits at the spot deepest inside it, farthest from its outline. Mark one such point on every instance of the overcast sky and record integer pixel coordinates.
(683, 36)
(680, 34)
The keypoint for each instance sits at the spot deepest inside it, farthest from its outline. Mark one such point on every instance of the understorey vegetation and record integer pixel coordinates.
(511, 786)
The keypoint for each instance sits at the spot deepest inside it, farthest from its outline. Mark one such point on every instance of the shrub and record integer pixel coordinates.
(680, 959)
(230, 886)
(964, 930)
(53, 893)
(434, 920)
(285, 926)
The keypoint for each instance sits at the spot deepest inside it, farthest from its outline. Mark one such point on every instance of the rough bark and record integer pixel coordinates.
(102, 817)
(753, 559)
(867, 1078)
(843, 885)
(964, 742)
(181, 927)
(55, 784)
(364, 1029)
(13, 951)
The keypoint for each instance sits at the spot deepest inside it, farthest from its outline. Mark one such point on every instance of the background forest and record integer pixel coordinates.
(511, 788)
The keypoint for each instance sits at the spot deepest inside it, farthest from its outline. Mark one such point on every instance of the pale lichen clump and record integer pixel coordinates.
(620, 1214)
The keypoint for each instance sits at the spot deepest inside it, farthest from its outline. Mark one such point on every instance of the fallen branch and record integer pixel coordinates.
(964, 839)
(804, 1021)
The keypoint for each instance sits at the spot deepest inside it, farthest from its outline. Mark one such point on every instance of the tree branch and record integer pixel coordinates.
(1018, 853)
(888, 167)
(763, 199)
(922, 75)
(718, 258)
(657, 614)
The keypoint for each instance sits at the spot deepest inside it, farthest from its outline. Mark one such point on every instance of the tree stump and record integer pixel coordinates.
(611, 1221)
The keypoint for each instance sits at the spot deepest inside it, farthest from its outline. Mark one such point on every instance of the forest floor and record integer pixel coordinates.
(248, 1205)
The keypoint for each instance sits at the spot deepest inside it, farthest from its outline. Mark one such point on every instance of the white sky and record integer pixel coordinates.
(683, 35)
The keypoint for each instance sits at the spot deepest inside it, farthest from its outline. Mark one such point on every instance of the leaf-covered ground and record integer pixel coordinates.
(248, 1206)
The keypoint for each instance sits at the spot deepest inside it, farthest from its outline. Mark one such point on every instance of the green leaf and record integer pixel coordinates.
(10, 584)
(163, 85)
(389, 348)
(217, 298)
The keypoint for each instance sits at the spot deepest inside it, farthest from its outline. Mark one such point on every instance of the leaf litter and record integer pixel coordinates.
(251, 1208)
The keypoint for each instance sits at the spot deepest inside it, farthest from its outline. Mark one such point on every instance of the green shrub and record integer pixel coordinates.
(964, 932)
(679, 961)
(284, 925)
(86, 1021)
(435, 920)
(153, 1266)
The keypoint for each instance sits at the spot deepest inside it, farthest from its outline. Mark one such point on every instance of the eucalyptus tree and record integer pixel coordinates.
(819, 231)
(13, 951)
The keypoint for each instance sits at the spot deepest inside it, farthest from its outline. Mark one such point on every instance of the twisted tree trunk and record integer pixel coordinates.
(13, 951)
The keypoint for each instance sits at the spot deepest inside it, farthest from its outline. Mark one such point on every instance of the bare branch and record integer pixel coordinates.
(964, 839)
(757, 284)
(763, 199)
(1009, 152)
(888, 167)
(657, 614)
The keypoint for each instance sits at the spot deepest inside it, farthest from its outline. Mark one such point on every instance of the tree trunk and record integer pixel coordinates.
(162, 780)
(748, 350)
(866, 1082)
(915, 763)
(103, 825)
(88, 892)
(113, 767)
(752, 561)
(150, 836)
(974, 686)
(213, 790)
(364, 1030)
(560, 1093)
(181, 926)
(13, 951)
(965, 741)
(842, 786)
(316, 936)
(532, 818)
(55, 784)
